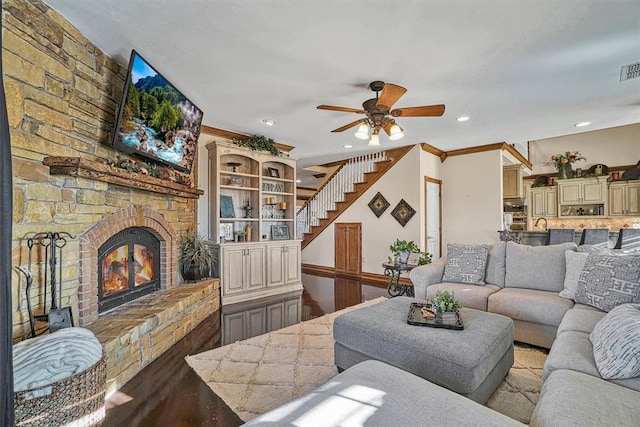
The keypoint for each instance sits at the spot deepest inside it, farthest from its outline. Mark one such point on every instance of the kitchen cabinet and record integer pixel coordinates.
(544, 201)
(512, 187)
(624, 198)
(283, 264)
(585, 190)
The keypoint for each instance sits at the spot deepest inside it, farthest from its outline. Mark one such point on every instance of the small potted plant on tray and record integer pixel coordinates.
(446, 306)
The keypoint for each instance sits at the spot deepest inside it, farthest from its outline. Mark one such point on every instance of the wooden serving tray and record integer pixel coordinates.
(415, 318)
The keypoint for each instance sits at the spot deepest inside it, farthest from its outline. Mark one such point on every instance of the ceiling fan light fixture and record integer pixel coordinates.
(396, 132)
(374, 141)
(362, 132)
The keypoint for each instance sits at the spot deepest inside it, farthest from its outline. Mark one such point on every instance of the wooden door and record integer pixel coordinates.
(348, 249)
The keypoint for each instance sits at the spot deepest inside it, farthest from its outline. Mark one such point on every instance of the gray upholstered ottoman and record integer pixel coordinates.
(471, 362)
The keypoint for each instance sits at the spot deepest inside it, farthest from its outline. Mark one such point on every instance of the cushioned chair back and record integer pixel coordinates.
(594, 236)
(560, 235)
(628, 238)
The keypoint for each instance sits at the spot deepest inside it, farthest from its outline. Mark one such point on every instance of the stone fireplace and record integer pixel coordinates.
(128, 254)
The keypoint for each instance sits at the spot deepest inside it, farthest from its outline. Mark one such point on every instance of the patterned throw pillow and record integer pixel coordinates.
(607, 281)
(465, 264)
(616, 343)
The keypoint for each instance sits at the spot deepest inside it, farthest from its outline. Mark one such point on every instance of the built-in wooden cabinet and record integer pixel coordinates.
(512, 187)
(624, 198)
(580, 197)
(544, 201)
(253, 192)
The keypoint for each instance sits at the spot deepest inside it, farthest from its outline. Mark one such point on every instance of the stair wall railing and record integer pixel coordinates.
(333, 191)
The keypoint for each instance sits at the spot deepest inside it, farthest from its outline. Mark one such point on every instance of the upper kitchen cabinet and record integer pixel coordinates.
(512, 187)
(624, 198)
(582, 196)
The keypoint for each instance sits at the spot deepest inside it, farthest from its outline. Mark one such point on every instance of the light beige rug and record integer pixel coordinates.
(256, 375)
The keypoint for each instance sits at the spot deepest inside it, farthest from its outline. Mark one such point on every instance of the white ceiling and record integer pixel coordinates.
(521, 70)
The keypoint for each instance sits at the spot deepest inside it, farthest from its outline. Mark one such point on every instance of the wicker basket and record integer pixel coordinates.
(78, 399)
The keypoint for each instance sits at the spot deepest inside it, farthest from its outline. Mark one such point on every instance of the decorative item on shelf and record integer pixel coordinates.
(550, 181)
(248, 231)
(236, 181)
(563, 162)
(279, 232)
(541, 181)
(233, 165)
(271, 200)
(578, 172)
(599, 170)
(402, 249)
(248, 209)
(378, 205)
(226, 207)
(631, 174)
(615, 176)
(226, 232)
(446, 305)
(240, 235)
(273, 172)
(259, 143)
(403, 212)
(197, 258)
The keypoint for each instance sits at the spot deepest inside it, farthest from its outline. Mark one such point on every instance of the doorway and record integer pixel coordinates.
(348, 249)
(433, 216)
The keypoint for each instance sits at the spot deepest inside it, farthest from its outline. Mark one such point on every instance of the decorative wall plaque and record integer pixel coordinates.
(378, 205)
(403, 212)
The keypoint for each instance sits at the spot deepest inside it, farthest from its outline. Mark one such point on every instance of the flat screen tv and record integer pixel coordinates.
(155, 120)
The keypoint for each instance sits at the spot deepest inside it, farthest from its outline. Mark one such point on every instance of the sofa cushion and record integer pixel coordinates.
(574, 263)
(616, 343)
(609, 280)
(471, 296)
(529, 305)
(496, 253)
(573, 350)
(536, 267)
(580, 320)
(465, 264)
(570, 398)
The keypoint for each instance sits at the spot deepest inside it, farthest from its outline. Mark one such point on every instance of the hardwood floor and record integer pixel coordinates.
(168, 392)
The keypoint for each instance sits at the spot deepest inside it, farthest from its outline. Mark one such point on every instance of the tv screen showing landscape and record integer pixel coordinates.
(156, 120)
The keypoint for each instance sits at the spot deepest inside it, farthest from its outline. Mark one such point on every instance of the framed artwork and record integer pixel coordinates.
(378, 205)
(226, 207)
(226, 232)
(403, 212)
(414, 259)
(279, 232)
(273, 172)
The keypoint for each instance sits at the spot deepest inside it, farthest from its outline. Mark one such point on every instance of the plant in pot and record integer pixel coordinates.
(401, 249)
(197, 257)
(446, 305)
(240, 235)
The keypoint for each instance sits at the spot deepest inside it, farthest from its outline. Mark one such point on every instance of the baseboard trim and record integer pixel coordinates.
(318, 270)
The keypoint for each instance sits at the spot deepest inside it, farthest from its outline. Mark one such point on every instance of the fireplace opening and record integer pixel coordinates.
(128, 267)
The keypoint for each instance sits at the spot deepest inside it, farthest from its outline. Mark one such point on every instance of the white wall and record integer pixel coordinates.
(617, 146)
(472, 198)
(403, 181)
(203, 183)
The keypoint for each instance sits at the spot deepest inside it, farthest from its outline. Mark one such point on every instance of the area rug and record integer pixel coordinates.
(258, 374)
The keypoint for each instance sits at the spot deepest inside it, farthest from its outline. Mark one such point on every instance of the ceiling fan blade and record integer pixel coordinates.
(390, 95)
(424, 111)
(342, 109)
(349, 126)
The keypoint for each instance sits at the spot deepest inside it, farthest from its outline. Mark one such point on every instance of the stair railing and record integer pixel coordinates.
(334, 189)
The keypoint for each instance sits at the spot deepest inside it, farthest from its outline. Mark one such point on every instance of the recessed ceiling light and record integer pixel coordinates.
(348, 146)
(463, 118)
(268, 122)
(582, 124)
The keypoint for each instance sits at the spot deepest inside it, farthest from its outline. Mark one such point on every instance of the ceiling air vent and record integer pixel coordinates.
(630, 71)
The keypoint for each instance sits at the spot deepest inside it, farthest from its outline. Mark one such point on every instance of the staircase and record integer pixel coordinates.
(345, 186)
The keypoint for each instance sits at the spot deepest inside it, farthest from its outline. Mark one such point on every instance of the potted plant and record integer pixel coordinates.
(197, 259)
(401, 250)
(446, 306)
(240, 234)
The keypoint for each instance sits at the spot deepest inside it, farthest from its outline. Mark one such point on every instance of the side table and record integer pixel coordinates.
(393, 272)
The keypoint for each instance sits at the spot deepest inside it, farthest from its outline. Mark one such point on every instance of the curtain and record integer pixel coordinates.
(6, 215)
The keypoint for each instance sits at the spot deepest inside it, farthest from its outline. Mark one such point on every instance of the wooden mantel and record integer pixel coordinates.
(91, 169)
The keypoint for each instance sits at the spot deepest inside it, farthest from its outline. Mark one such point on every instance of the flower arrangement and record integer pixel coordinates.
(563, 163)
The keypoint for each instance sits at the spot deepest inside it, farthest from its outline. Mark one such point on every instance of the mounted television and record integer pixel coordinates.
(155, 120)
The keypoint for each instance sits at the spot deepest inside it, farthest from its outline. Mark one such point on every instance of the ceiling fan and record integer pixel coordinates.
(379, 114)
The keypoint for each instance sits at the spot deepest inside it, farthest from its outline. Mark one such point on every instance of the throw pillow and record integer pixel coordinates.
(575, 263)
(616, 343)
(607, 281)
(465, 264)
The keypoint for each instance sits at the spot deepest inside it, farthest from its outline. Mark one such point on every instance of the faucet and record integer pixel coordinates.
(538, 220)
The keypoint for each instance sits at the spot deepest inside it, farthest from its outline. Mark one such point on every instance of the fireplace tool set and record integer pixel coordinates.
(57, 317)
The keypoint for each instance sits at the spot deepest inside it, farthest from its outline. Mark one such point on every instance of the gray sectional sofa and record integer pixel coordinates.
(523, 283)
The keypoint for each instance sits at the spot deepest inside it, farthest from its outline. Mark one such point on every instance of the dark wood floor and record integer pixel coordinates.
(169, 393)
